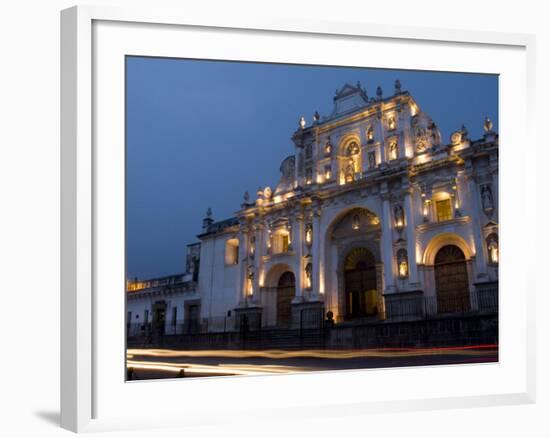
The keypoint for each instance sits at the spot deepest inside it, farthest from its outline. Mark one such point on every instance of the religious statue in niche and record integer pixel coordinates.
(309, 274)
(393, 150)
(372, 159)
(250, 272)
(399, 216)
(350, 171)
(328, 147)
(391, 123)
(487, 198)
(352, 149)
(402, 263)
(370, 134)
(309, 234)
(492, 248)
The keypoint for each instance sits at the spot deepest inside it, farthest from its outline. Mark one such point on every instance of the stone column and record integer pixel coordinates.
(258, 252)
(380, 135)
(407, 136)
(363, 152)
(387, 246)
(243, 262)
(411, 241)
(298, 245)
(315, 254)
(476, 212)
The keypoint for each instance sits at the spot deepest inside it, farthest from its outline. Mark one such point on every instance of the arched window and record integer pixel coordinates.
(232, 252)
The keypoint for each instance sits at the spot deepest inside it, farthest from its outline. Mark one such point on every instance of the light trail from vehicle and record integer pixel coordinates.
(225, 369)
(475, 350)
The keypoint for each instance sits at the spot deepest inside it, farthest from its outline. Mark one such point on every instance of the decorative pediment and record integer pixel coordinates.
(349, 98)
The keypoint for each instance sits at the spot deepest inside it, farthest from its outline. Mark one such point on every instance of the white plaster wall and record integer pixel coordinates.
(218, 283)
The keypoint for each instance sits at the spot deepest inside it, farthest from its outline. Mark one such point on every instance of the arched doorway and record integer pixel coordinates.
(360, 284)
(451, 280)
(286, 290)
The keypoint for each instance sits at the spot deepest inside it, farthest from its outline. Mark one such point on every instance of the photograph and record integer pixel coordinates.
(291, 218)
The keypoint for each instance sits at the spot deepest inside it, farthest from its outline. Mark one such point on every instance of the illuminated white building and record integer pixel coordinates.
(374, 217)
(165, 305)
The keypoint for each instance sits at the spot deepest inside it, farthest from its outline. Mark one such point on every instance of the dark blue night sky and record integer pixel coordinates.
(200, 133)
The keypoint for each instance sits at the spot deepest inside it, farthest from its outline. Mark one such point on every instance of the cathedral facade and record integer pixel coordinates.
(374, 218)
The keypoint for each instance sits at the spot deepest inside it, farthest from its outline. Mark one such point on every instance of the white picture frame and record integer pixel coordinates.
(92, 383)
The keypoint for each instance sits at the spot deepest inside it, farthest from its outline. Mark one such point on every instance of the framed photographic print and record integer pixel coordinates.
(279, 217)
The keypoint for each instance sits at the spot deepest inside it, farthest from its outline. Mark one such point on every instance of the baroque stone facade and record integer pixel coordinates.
(374, 218)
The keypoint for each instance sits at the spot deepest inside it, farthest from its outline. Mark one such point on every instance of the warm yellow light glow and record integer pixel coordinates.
(249, 287)
(418, 254)
(391, 123)
(308, 282)
(426, 208)
(261, 280)
(327, 174)
(136, 285)
(421, 159)
(393, 150)
(309, 234)
(494, 254)
(403, 269)
(370, 134)
(355, 222)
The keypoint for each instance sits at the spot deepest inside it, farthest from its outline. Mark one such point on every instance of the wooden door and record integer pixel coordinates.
(286, 290)
(451, 280)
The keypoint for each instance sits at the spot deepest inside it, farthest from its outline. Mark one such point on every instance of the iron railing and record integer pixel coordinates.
(482, 300)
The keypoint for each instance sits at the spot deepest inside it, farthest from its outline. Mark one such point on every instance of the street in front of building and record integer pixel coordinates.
(160, 364)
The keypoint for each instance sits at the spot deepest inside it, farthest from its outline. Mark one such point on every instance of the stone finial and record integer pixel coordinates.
(397, 86)
(207, 221)
(246, 196)
(302, 123)
(464, 131)
(316, 117)
(260, 192)
(488, 125)
(379, 92)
